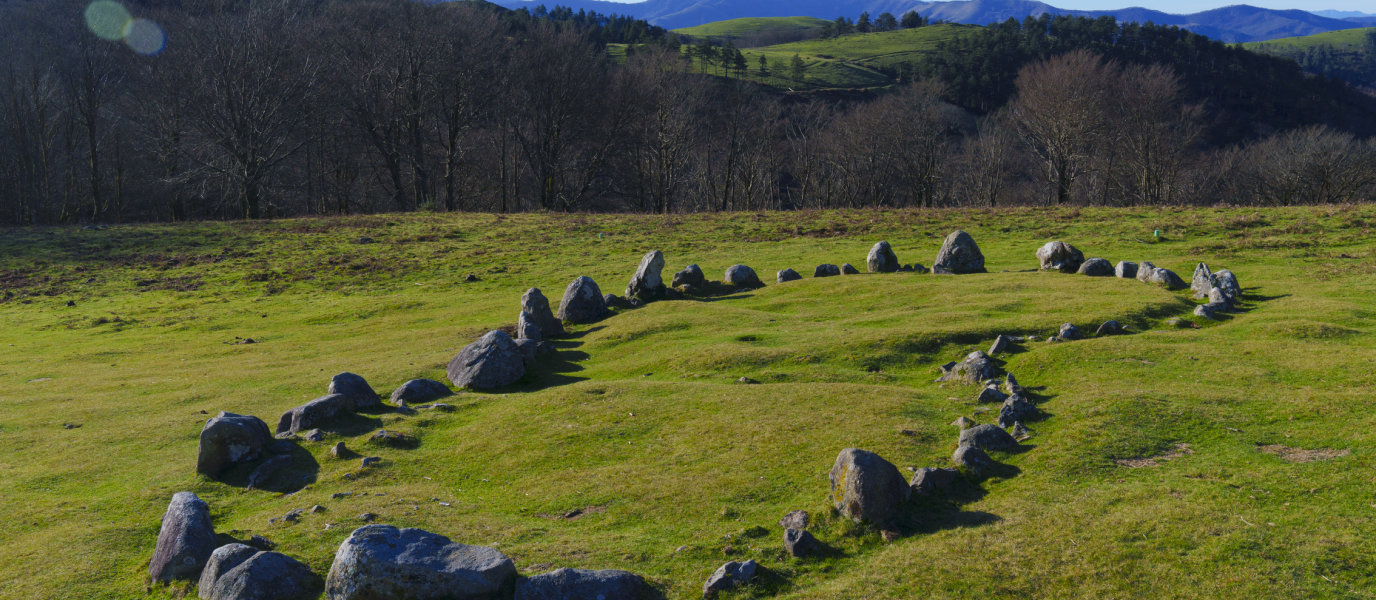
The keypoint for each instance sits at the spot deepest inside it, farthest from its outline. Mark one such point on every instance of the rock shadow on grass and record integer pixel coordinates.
(299, 472)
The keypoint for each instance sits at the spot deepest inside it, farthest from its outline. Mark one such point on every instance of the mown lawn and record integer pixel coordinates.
(639, 421)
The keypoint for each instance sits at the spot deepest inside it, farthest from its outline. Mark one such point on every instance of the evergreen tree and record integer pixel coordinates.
(843, 26)
(886, 22)
(764, 65)
(797, 69)
(912, 20)
(863, 24)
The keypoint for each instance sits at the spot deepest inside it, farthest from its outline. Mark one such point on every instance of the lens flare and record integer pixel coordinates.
(144, 36)
(107, 19)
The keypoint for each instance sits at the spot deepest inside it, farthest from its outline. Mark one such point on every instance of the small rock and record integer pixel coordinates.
(959, 254)
(794, 520)
(991, 394)
(339, 495)
(1068, 332)
(1125, 269)
(742, 276)
(1166, 278)
(613, 301)
(228, 439)
(971, 458)
(315, 412)
(356, 389)
(257, 576)
(746, 380)
(1012, 385)
(918, 268)
(470, 278)
(826, 270)
(1015, 409)
(974, 369)
(261, 543)
(928, 479)
(317, 509)
(1226, 282)
(963, 423)
(1020, 432)
(1210, 311)
(728, 576)
(690, 275)
(848, 269)
(1001, 344)
(371, 460)
(987, 437)
(314, 435)
(340, 451)
(526, 329)
(1202, 282)
(787, 275)
(1096, 267)
(799, 543)
(71, 303)
(881, 259)
(367, 517)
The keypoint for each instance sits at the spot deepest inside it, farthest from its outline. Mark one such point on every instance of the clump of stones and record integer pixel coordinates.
(379, 561)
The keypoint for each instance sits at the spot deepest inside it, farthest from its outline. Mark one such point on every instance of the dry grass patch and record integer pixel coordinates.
(1302, 455)
(1181, 449)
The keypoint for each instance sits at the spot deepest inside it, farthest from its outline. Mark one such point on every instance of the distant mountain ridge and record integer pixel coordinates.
(1231, 24)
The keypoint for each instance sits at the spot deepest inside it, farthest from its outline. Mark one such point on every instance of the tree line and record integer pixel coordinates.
(262, 110)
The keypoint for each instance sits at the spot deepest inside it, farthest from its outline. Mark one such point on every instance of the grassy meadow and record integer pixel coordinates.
(1169, 462)
(1343, 37)
(752, 25)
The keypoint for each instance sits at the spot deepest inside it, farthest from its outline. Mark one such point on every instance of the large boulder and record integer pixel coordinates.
(646, 283)
(1144, 271)
(357, 389)
(420, 390)
(185, 541)
(222, 561)
(881, 259)
(1226, 283)
(382, 562)
(864, 486)
(959, 254)
(1125, 269)
(788, 275)
(534, 303)
(493, 361)
(527, 328)
(1201, 283)
(1016, 409)
(312, 414)
(582, 302)
(1166, 278)
(258, 576)
(228, 439)
(728, 576)
(976, 368)
(1096, 267)
(690, 275)
(1060, 256)
(826, 270)
(1068, 332)
(742, 276)
(987, 437)
(971, 458)
(580, 584)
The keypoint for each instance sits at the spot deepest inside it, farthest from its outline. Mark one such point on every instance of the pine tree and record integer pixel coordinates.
(798, 68)
(863, 24)
(912, 20)
(886, 22)
(764, 65)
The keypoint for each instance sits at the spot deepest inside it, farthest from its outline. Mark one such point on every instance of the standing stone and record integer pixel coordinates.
(261, 576)
(582, 302)
(742, 276)
(1201, 283)
(493, 361)
(647, 283)
(1166, 278)
(794, 520)
(728, 576)
(185, 541)
(382, 562)
(1227, 284)
(987, 437)
(1000, 344)
(927, 479)
(1144, 271)
(848, 269)
(578, 584)
(420, 390)
(1125, 270)
(799, 543)
(1068, 332)
(1010, 383)
(787, 275)
(534, 303)
(690, 275)
(827, 270)
(971, 458)
(527, 328)
(228, 439)
(865, 486)
(959, 254)
(357, 389)
(1060, 256)
(1096, 267)
(881, 259)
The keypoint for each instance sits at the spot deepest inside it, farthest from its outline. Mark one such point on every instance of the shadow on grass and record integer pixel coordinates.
(297, 473)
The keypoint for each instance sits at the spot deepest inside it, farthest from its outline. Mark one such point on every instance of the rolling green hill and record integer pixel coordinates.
(1351, 37)
(746, 26)
(1229, 460)
(1349, 55)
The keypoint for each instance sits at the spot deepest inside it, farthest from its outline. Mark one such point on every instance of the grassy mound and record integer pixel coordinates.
(634, 447)
(751, 25)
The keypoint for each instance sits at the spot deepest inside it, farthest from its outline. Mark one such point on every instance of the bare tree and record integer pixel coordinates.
(1059, 112)
(669, 127)
(1155, 130)
(986, 163)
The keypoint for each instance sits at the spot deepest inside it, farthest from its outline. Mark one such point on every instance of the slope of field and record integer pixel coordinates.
(749, 25)
(880, 49)
(638, 421)
(1337, 39)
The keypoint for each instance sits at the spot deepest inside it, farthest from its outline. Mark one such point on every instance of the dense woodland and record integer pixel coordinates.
(1353, 63)
(310, 107)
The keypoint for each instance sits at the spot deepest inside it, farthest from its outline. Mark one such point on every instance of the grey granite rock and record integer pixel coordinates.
(1060, 256)
(647, 282)
(787, 275)
(864, 486)
(420, 390)
(583, 302)
(262, 576)
(987, 437)
(1166, 278)
(928, 479)
(882, 259)
(1068, 332)
(971, 458)
(976, 368)
(312, 414)
(1201, 283)
(357, 389)
(527, 328)
(848, 269)
(728, 576)
(580, 584)
(1109, 328)
(229, 439)
(826, 270)
(797, 519)
(221, 561)
(690, 275)
(185, 540)
(742, 276)
(959, 254)
(493, 361)
(799, 543)
(534, 303)
(1125, 269)
(1096, 267)
(382, 562)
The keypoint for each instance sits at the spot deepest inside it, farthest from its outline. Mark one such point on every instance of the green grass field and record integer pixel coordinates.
(1337, 39)
(639, 421)
(750, 25)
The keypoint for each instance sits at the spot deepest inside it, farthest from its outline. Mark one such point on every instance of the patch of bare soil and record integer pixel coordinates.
(1302, 455)
(574, 514)
(1181, 449)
